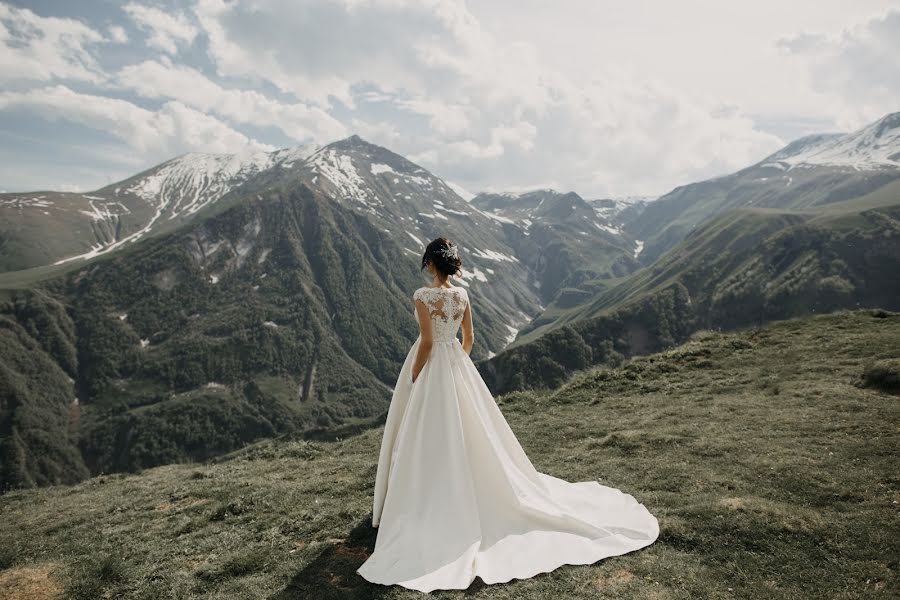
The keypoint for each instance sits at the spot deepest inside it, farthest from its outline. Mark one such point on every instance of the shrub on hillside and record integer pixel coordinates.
(883, 375)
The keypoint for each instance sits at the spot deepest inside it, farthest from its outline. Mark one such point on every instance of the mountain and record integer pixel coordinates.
(765, 453)
(243, 297)
(275, 302)
(574, 248)
(414, 207)
(619, 211)
(569, 246)
(742, 268)
(41, 228)
(393, 193)
(284, 314)
(813, 171)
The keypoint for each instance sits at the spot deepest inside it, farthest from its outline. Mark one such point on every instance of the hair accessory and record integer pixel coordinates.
(448, 252)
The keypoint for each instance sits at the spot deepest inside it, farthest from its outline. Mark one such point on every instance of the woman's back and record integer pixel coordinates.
(446, 306)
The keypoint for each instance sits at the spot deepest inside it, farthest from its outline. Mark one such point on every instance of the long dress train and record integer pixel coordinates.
(455, 495)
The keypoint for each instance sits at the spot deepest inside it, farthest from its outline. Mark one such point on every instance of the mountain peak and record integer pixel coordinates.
(886, 124)
(353, 141)
(875, 146)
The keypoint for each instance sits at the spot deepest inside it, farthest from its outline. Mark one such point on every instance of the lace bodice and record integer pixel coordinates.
(446, 307)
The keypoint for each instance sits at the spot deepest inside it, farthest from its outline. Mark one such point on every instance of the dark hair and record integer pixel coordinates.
(445, 265)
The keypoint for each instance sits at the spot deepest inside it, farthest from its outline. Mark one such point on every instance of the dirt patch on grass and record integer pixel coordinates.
(732, 503)
(618, 577)
(30, 583)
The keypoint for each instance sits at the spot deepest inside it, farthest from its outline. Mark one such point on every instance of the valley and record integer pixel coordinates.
(216, 300)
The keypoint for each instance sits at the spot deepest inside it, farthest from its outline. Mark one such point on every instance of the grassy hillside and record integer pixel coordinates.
(768, 455)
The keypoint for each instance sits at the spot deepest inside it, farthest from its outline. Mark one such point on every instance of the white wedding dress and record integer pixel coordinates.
(455, 495)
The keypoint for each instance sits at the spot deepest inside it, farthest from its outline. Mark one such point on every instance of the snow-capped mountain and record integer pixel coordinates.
(399, 194)
(389, 192)
(404, 199)
(544, 207)
(77, 226)
(815, 170)
(873, 147)
(186, 184)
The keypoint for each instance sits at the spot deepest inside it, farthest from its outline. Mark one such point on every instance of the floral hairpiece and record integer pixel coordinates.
(448, 252)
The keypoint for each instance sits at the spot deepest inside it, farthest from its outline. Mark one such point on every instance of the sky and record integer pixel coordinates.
(601, 97)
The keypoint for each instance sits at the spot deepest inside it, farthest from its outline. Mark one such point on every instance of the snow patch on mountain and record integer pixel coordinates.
(497, 217)
(27, 202)
(610, 208)
(184, 185)
(339, 170)
(875, 146)
(106, 211)
(494, 255)
(377, 168)
(473, 272)
(435, 215)
(607, 228)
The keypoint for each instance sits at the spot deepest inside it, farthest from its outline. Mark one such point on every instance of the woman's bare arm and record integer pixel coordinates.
(427, 338)
(467, 329)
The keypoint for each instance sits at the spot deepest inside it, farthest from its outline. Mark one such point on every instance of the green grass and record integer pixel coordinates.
(767, 458)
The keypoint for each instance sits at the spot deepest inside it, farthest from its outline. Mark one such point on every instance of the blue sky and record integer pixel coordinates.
(596, 96)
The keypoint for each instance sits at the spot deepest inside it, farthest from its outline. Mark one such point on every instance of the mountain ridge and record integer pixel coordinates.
(740, 268)
(812, 171)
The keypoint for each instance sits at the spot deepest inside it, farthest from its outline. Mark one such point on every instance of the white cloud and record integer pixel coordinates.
(597, 100)
(489, 111)
(164, 31)
(151, 135)
(117, 34)
(163, 79)
(857, 69)
(320, 49)
(35, 48)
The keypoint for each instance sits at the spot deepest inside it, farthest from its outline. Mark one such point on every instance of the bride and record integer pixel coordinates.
(455, 495)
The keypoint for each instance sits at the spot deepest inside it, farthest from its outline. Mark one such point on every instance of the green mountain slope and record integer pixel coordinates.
(38, 408)
(814, 171)
(746, 266)
(285, 313)
(769, 464)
